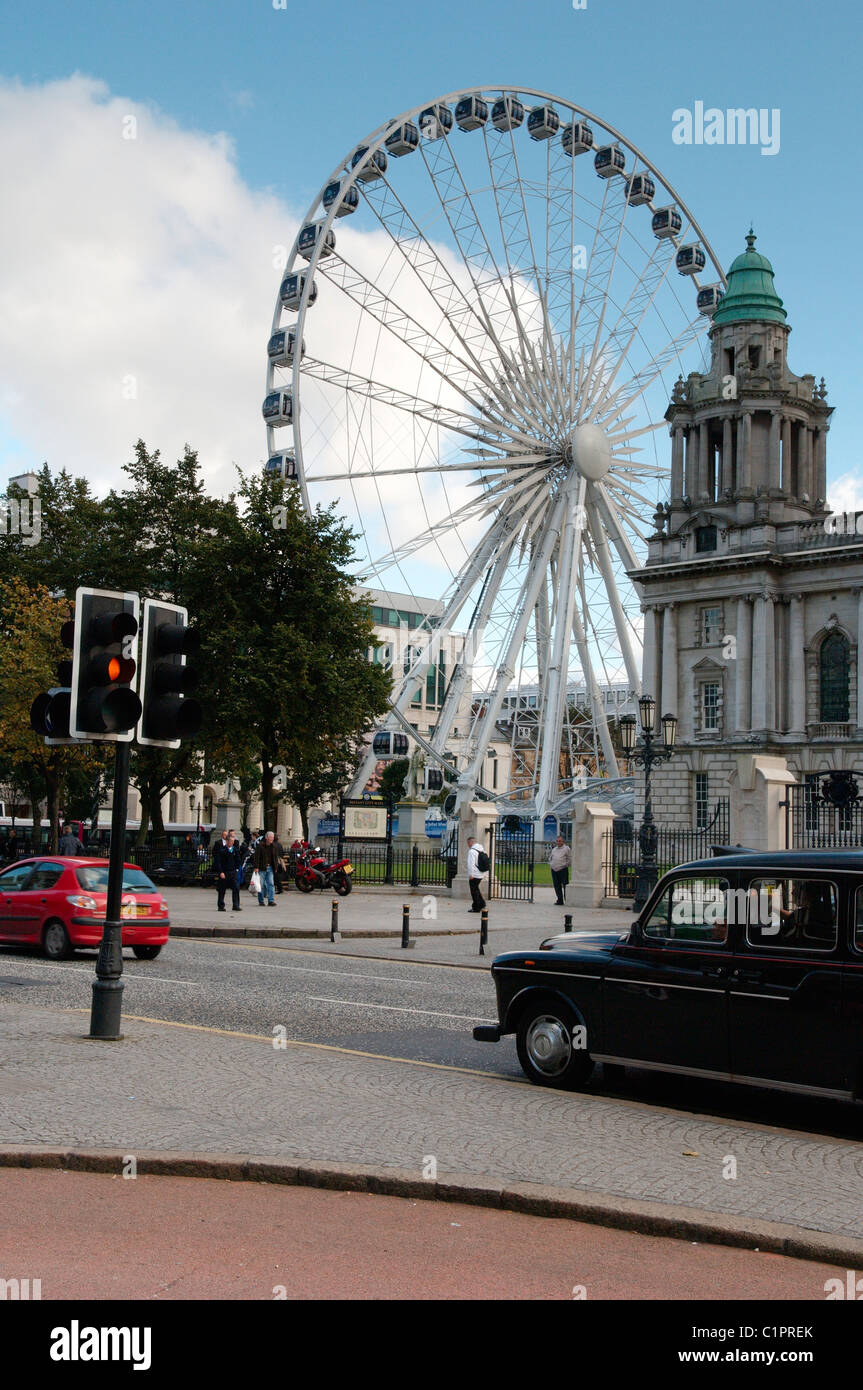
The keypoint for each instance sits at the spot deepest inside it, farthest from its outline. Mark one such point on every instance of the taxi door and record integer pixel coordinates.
(785, 986)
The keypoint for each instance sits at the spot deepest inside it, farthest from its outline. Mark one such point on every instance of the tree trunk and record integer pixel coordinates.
(267, 791)
(144, 798)
(156, 814)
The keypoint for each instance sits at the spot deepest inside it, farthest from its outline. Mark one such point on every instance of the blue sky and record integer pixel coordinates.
(294, 88)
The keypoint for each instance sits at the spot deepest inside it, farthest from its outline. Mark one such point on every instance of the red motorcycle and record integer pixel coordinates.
(312, 871)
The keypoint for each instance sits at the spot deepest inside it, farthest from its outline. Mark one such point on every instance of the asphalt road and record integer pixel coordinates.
(388, 1006)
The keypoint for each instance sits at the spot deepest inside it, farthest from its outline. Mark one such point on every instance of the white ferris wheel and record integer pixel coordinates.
(472, 353)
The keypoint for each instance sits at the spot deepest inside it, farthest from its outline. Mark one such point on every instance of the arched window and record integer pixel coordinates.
(835, 672)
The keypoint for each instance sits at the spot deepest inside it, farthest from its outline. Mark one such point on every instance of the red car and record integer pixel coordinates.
(59, 903)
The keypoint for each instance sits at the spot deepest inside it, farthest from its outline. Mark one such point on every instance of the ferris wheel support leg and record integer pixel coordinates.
(614, 527)
(603, 559)
(554, 692)
(599, 718)
(506, 670)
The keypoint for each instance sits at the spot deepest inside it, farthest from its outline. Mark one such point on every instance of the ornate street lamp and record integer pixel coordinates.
(645, 754)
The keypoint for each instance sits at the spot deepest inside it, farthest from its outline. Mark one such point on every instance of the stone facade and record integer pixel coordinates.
(752, 592)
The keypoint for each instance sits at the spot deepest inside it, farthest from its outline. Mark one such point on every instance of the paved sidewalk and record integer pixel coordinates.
(181, 1087)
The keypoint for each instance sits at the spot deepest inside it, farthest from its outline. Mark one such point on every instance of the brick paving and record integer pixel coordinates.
(183, 1088)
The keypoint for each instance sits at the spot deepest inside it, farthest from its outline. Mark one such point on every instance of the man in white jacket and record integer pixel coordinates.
(475, 873)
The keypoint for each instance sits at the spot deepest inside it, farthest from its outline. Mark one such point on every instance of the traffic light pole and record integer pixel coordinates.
(106, 1011)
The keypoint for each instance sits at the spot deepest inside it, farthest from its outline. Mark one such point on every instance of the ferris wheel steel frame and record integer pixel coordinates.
(511, 410)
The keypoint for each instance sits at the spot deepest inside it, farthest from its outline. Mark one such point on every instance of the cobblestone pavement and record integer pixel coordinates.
(170, 1086)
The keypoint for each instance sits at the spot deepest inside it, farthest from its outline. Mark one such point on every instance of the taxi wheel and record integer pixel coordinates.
(548, 1045)
(55, 941)
(146, 952)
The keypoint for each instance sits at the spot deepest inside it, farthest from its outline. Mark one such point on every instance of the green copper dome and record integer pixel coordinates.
(751, 293)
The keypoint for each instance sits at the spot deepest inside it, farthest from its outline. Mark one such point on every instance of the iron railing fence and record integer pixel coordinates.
(812, 822)
(674, 845)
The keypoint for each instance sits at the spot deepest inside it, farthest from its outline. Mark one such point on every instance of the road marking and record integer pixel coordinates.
(319, 1047)
(127, 974)
(310, 970)
(393, 1008)
(328, 955)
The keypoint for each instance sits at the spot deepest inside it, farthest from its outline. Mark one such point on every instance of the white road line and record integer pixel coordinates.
(127, 974)
(394, 1008)
(350, 974)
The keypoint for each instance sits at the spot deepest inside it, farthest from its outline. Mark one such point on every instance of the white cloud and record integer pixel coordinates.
(845, 493)
(136, 288)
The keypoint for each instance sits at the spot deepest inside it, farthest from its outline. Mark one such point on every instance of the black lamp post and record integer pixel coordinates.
(644, 754)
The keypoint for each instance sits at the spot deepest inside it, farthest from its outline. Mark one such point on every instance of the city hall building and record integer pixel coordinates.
(752, 592)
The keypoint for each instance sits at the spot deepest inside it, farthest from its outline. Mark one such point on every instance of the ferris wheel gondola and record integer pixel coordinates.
(484, 398)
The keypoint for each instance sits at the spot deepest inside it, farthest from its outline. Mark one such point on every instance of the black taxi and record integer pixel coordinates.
(746, 967)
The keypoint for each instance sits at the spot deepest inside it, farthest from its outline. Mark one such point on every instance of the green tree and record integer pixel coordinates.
(392, 779)
(30, 621)
(297, 688)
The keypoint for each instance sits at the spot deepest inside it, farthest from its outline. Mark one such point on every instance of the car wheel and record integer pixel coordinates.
(55, 941)
(146, 952)
(548, 1045)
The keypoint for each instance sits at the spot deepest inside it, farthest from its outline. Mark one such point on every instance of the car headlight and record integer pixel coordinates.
(83, 903)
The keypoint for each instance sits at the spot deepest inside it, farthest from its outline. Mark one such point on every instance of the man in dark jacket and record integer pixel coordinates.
(69, 843)
(226, 862)
(266, 863)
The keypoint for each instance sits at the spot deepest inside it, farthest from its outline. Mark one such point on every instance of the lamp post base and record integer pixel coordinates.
(644, 885)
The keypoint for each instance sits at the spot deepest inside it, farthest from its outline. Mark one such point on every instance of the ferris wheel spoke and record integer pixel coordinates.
(469, 512)
(421, 256)
(636, 386)
(342, 379)
(456, 370)
(554, 689)
(599, 719)
(618, 343)
(614, 527)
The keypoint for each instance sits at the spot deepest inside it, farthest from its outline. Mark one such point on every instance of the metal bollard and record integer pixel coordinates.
(567, 921)
(335, 934)
(483, 931)
(407, 944)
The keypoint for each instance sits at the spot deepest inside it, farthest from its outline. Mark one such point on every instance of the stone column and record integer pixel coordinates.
(691, 481)
(648, 662)
(669, 661)
(806, 470)
(743, 670)
(744, 452)
(704, 461)
(781, 616)
(677, 463)
(763, 663)
(860, 658)
(727, 456)
(787, 480)
(796, 666)
(774, 476)
(820, 466)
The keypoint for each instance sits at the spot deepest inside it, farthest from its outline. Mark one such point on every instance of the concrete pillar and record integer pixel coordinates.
(796, 666)
(763, 663)
(677, 446)
(591, 822)
(475, 818)
(787, 477)
(743, 668)
(669, 661)
(727, 456)
(704, 491)
(860, 658)
(774, 476)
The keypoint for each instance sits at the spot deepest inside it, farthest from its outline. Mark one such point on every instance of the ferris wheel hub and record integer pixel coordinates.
(591, 451)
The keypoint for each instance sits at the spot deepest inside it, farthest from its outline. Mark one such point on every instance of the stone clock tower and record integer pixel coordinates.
(752, 592)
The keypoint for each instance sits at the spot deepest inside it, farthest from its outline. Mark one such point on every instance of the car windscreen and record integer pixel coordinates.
(94, 877)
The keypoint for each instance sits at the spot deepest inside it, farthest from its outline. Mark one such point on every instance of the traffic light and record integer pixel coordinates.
(167, 714)
(49, 713)
(104, 705)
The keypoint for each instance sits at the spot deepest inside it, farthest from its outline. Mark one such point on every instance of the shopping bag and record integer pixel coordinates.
(255, 882)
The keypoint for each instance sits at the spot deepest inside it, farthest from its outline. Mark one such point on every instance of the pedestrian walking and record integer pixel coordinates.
(559, 861)
(477, 867)
(227, 859)
(266, 863)
(69, 843)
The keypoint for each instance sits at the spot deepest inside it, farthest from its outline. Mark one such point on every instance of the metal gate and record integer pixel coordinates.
(824, 812)
(510, 850)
